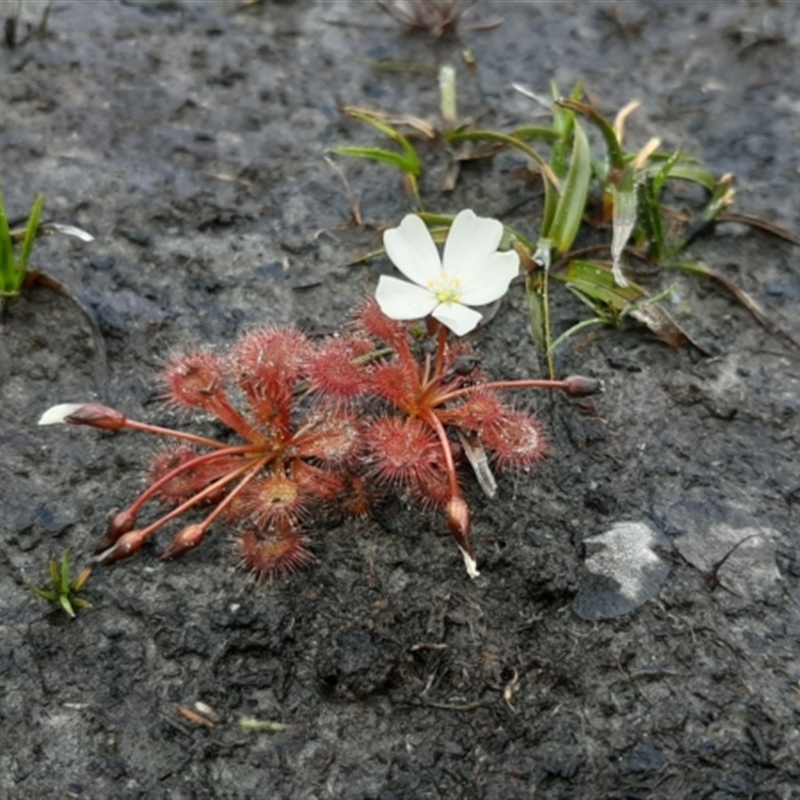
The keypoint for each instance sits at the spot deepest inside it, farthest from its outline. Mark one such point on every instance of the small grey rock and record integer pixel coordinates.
(623, 570)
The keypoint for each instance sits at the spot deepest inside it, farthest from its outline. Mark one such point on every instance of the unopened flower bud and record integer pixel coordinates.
(458, 519)
(97, 416)
(125, 546)
(581, 386)
(187, 539)
(120, 524)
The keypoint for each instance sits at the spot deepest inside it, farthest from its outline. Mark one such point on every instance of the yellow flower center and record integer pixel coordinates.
(446, 289)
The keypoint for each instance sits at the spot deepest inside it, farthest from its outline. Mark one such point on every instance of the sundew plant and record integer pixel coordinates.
(397, 404)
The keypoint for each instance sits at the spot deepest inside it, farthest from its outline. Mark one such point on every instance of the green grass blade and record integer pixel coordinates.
(10, 282)
(66, 605)
(377, 154)
(30, 232)
(615, 155)
(504, 138)
(597, 282)
(577, 328)
(685, 172)
(528, 133)
(650, 220)
(64, 581)
(414, 166)
(572, 203)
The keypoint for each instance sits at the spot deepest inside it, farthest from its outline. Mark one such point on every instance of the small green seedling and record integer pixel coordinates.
(13, 268)
(62, 590)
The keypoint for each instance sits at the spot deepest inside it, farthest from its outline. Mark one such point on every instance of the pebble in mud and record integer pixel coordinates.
(623, 570)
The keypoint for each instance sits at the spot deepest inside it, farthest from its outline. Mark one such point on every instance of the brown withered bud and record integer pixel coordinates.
(120, 524)
(581, 386)
(97, 416)
(186, 539)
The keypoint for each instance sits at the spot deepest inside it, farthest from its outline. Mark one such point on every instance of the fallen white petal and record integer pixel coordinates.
(471, 240)
(470, 563)
(412, 250)
(403, 300)
(496, 273)
(459, 319)
(57, 415)
(71, 230)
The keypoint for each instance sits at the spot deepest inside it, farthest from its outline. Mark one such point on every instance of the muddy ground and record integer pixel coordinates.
(189, 138)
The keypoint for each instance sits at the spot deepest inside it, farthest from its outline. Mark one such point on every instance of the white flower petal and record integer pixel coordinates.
(458, 318)
(71, 230)
(412, 250)
(470, 564)
(57, 415)
(471, 240)
(497, 273)
(403, 300)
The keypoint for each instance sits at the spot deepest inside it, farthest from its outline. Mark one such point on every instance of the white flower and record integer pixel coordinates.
(471, 273)
(57, 415)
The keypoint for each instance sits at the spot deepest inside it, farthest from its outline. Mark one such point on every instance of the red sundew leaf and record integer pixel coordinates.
(270, 502)
(195, 380)
(482, 409)
(515, 440)
(370, 319)
(332, 437)
(431, 486)
(268, 554)
(267, 365)
(357, 496)
(194, 479)
(398, 383)
(319, 483)
(334, 370)
(402, 451)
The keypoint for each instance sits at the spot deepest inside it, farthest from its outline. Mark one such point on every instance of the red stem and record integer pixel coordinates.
(532, 383)
(434, 421)
(158, 431)
(195, 499)
(195, 462)
(222, 505)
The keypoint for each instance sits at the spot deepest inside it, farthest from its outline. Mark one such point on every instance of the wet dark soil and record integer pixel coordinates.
(189, 138)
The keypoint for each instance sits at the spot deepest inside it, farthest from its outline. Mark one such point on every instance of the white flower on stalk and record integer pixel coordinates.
(472, 272)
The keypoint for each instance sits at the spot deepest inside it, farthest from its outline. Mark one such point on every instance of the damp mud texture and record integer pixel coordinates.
(608, 648)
